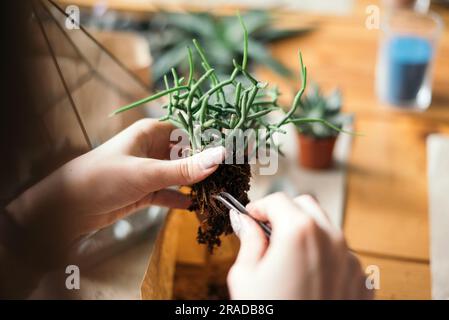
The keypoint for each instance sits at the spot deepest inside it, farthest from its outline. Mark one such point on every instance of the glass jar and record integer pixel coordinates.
(405, 58)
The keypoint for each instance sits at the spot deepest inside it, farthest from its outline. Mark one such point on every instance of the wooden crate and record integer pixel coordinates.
(180, 268)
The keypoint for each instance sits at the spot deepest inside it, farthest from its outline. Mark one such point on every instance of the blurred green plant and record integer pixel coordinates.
(328, 120)
(221, 38)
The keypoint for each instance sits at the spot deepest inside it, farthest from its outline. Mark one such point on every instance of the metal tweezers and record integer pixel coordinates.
(232, 203)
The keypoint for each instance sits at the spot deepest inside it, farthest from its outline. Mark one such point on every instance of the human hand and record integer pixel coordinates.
(306, 257)
(126, 173)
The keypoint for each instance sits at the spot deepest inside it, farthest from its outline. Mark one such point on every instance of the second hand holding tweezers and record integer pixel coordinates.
(232, 203)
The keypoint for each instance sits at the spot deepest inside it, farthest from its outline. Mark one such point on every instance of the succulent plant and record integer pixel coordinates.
(237, 100)
(316, 105)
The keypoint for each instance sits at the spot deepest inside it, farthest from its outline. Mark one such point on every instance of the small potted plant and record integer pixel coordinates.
(317, 137)
(228, 104)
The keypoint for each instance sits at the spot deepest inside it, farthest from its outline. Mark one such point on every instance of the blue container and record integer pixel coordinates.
(408, 59)
(405, 60)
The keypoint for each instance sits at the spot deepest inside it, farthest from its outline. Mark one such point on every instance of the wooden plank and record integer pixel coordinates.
(400, 279)
(181, 268)
(200, 274)
(387, 209)
(158, 279)
(146, 6)
(206, 280)
(189, 251)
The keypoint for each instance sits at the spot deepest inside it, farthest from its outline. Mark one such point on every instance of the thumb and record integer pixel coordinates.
(253, 242)
(188, 170)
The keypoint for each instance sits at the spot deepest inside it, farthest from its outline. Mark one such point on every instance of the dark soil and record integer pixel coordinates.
(213, 215)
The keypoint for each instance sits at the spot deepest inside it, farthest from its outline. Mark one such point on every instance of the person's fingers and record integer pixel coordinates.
(98, 221)
(145, 137)
(278, 209)
(310, 206)
(354, 280)
(158, 140)
(165, 197)
(367, 294)
(253, 241)
(186, 171)
(168, 198)
(95, 222)
(364, 292)
(351, 278)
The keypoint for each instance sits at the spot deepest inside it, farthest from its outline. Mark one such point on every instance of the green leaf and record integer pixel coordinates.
(262, 56)
(307, 121)
(171, 58)
(194, 23)
(254, 20)
(273, 35)
(334, 101)
(148, 99)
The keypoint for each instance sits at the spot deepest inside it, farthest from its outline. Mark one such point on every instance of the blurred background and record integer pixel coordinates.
(382, 189)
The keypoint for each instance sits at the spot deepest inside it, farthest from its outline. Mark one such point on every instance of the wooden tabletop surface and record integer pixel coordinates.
(386, 218)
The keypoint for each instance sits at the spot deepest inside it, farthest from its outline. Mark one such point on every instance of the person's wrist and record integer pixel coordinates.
(50, 196)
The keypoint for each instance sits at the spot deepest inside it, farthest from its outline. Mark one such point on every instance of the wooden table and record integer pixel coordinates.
(386, 220)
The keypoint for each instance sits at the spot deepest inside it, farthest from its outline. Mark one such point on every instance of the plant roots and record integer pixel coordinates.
(213, 215)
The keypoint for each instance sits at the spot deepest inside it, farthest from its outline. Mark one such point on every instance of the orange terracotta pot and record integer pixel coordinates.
(316, 153)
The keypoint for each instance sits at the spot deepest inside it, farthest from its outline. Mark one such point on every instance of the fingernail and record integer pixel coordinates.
(211, 157)
(235, 222)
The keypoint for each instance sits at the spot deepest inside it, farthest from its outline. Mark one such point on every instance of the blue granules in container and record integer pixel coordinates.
(408, 59)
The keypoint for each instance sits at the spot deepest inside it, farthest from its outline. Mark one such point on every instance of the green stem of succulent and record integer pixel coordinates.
(191, 66)
(238, 91)
(300, 121)
(245, 43)
(298, 95)
(207, 67)
(148, 99)
(167, 87)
